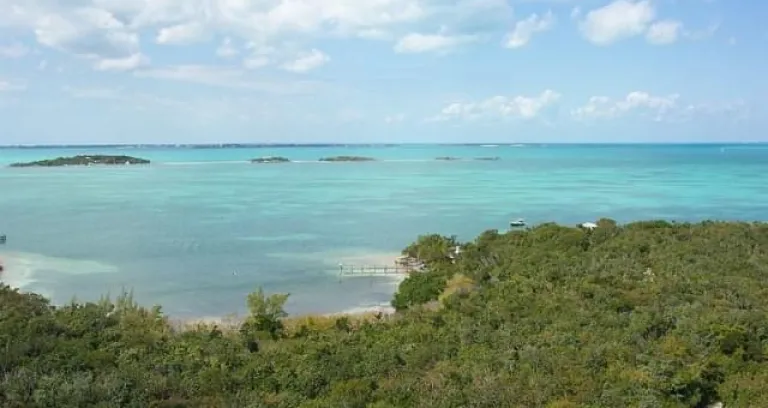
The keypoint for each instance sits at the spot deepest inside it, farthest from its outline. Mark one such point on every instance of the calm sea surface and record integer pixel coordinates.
(200, 228)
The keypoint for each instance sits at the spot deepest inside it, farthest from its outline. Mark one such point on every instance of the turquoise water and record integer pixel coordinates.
(200, 228)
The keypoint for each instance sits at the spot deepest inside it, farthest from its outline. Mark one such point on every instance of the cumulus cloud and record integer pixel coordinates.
(602, 107)
(664, 32)
(525, 29)
(307, 61)
(181, 34)
(419, 43)
(618, 20)
(524, 107)
(83, 30)
(110, 32)
(656, 107)
(623, 19)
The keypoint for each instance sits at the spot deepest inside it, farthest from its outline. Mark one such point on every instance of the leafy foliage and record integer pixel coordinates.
(651, 314)
(83, 160)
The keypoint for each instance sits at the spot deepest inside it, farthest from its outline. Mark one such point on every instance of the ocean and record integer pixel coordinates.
(200, 228)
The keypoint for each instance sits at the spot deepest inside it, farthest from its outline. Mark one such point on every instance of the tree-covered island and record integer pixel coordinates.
(347, 159)
(271, 159)
(84, 160)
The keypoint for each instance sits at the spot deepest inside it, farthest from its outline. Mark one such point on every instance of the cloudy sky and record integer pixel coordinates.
(143, 71)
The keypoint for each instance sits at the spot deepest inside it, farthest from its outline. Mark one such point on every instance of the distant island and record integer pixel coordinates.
(488, 158)
(271, 159)
(347, 159)
(447, 158)
(83, 160)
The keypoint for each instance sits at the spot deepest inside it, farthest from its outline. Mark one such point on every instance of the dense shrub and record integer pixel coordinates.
(651, 314)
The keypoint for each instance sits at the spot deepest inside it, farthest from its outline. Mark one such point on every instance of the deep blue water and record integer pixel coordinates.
(201, 227)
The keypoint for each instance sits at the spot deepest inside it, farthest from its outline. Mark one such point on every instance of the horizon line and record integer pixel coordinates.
(382, 144)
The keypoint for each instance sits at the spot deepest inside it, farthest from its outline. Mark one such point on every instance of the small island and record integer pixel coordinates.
(83, 160)
(347, 159)
(271, 159)
(447, 158)
(488, 158)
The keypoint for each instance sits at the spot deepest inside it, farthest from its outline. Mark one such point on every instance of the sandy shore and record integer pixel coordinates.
(234, 321)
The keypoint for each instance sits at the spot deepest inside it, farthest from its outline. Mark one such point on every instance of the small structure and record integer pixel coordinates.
(408, 263)
(517, 223)
(453, 255)
(3, 239)
(588, 225)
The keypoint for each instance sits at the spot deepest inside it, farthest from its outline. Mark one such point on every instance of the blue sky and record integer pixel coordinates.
(152, 71)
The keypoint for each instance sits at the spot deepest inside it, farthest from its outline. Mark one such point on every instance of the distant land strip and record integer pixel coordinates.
(375, 145)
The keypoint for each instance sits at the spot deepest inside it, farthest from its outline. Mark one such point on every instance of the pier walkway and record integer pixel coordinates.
(348, 271)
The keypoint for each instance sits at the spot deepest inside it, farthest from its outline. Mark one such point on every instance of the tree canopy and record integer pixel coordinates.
(649, 314)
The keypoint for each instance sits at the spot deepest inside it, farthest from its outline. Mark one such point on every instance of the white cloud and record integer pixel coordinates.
(419, 43)
(108, 30)
(602, 107)
(121, 64)
(664, 32)
(617, 21)
(88, 32)
(227, 49)
(268, 19)
(13, 50)
(105, 31)
(667, 108)
(307, 61)
(525, 29)
(82, 29)
(181, 34)
(525, 107)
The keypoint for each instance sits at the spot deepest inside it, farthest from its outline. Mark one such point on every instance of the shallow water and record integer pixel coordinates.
(200, 228)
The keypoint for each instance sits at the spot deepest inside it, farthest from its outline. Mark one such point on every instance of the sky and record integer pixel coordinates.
(382, 71)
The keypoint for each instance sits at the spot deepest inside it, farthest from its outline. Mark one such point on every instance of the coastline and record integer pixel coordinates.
(21, 271)
(233, 322)
(356, 313)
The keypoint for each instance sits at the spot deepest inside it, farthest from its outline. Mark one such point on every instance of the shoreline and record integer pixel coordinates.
(233, 322)
(17, 274)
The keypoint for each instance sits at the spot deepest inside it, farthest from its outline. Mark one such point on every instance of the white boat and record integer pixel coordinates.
(517, 223)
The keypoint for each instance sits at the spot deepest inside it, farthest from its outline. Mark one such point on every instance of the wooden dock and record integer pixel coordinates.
(348, 271)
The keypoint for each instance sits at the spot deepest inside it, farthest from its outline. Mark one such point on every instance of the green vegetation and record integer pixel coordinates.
(651, 314)
(83, 160)
(347, 159)
(271, 159)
